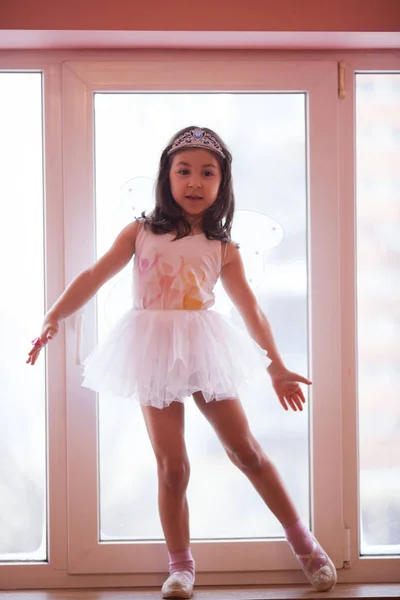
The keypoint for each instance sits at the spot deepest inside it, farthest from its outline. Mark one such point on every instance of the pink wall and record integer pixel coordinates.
(206, 15)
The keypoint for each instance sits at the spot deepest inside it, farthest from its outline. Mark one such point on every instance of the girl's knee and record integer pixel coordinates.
(247, 456)
(174, 472)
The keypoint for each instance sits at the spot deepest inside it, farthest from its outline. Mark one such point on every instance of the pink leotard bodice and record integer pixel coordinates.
(175, 274)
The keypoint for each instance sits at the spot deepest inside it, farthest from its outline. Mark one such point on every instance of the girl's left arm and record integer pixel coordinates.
(234, 280)
(285, 383)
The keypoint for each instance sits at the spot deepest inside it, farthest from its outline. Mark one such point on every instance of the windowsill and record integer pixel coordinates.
(342, 590)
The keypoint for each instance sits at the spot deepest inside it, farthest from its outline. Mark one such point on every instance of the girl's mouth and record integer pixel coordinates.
(194, 197)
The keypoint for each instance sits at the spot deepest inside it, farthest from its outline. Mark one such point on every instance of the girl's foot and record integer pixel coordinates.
(322, 578)
(178, 585)
(315, 562)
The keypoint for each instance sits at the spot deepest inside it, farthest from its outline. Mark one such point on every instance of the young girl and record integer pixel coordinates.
(171, 345)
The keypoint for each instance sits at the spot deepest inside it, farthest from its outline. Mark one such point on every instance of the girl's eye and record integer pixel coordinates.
(186, 172)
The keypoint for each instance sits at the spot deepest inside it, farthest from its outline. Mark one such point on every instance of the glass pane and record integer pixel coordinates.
(378, 289)
(267, 135)
(22, 388)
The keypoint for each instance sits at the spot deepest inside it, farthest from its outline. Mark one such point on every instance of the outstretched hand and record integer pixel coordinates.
(49, 330)
(287, 388)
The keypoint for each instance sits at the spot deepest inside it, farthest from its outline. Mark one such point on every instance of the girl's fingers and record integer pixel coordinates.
(295, 402)
(32, 357)
(290, 400)
(282, 401)
(298, 402)
(37, 347)
(301, 396)
(302, 379)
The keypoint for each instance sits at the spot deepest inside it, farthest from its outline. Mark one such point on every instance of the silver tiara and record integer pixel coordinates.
(197, 138)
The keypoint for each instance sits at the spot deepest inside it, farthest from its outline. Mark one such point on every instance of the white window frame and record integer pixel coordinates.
(66, 560)
(160, 72)
(363, 569)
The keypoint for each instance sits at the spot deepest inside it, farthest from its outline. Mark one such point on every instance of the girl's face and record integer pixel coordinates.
(195, 177)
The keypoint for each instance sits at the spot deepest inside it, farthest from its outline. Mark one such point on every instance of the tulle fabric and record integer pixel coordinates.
(161, 356)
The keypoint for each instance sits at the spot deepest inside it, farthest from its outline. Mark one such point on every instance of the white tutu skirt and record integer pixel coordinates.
(162, 356)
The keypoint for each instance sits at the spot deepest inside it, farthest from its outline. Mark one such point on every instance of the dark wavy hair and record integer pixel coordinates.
(168, 216)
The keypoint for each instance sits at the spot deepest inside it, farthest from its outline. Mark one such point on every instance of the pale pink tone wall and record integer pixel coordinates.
(206, 15)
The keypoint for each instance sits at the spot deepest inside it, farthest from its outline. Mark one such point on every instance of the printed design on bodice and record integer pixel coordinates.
(144, 267)
(166, 280)
(193, 280)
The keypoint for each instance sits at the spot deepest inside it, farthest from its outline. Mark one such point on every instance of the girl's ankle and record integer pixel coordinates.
(181, 561)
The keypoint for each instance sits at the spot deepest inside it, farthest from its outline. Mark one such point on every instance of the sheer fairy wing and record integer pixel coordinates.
(257, 234)
(137, 196)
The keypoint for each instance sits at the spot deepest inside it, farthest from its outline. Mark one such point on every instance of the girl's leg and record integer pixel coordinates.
(230, 423)
(166, 431)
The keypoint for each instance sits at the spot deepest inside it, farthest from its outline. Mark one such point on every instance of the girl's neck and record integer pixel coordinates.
(196, 224)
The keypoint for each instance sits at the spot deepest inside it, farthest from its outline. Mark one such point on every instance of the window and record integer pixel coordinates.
(267, 135)
(378, 301)
(23, 521)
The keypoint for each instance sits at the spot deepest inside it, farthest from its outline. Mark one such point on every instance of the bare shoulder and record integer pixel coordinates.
(231, 253)
(125, 242)
(130, 231)
(234, 280)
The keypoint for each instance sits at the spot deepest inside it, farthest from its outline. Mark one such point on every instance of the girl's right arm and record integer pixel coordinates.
(86, 284)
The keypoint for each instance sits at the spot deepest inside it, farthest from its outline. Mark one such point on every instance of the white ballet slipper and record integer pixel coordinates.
(324, 578)
(178, 585)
